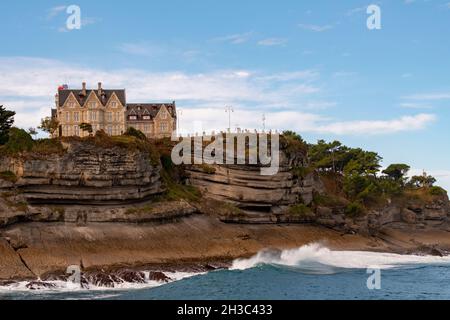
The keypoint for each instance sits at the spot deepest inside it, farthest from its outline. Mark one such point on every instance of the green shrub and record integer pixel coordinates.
(208, 169)
(135, 133)
(437, 191)
(48, 147)
(300, 210)
(19, 141)
(8, 176)
(301, 172)
(355, 209)
(328, 200)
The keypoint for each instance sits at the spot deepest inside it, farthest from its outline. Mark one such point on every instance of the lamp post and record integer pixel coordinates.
(229, 110)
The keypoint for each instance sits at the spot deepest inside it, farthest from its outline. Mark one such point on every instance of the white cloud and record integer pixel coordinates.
(414, 105)
(238, 38)
(429, 96)
(203, 96)
(141, 49)
(272, 42)
(356, 10)
(372, 127)
(315, 28)
(53, 12)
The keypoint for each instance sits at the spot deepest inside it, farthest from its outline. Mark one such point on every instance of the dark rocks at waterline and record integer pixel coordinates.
(101, 279)
(158, 276)
(429, 251)
(40, 285)
(131, 276)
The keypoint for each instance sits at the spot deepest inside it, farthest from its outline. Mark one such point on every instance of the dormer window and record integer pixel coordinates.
(146, 117)
(113, 104)
(133, 117)
(163, 114)
(92, 104)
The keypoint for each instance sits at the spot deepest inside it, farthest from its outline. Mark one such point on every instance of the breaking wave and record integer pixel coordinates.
(315, 258)
(59, 286)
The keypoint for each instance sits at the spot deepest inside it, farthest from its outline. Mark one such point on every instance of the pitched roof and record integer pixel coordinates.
(151, 109)
(64, 94)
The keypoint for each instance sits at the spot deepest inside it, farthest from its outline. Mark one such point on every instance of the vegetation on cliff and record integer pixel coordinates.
(353, 177)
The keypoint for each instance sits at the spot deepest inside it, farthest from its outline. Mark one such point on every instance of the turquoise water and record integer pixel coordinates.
(293, 275)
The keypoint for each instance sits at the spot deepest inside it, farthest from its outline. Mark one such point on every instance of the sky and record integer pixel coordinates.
(309, 66)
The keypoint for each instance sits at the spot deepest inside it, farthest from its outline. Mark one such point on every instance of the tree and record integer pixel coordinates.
(6, 122)
(422, 181)
(87, 127)
(397, 172)
(49, 125)
(19, 140)
(135, 133)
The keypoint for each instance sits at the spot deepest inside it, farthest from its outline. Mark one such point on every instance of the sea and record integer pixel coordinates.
(311, 272)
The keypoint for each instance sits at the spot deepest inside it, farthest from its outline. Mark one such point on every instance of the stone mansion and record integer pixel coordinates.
(108, 110)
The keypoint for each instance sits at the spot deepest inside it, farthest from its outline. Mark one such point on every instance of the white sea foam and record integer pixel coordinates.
(318, 255)
(67, 286)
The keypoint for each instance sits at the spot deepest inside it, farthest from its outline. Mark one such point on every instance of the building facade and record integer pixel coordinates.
(108, 110)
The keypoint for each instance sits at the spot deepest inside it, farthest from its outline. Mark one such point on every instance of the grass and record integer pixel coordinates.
(139, 210)
(231, 210)
(300, 210)
(177, 191)
(208, 168)
(8, 176)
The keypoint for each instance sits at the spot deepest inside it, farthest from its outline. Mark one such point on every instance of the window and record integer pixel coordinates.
(109, 130)
(133, 117)
(67, 116)
(117, 116)
(113, 104)
(146, 117)
(71, 104)
(76, 116)
(146, 128)
(76, 130)
(163, 127)
(163, 114)
(92, 104)
(93, 115)
(109, 116)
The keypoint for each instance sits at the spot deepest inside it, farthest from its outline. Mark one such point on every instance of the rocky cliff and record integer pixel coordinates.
(86, 174)
(243, 186)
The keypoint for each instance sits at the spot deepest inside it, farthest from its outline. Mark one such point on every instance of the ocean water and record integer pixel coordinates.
(309, 272)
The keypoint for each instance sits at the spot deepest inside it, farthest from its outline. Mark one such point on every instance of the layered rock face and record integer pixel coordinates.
(245, 187)
(85, 174)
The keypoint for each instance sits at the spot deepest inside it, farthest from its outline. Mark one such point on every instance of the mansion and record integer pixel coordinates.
(108, 110)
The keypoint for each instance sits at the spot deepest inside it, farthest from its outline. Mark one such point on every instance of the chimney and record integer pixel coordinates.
(83, 91)
(99, 92)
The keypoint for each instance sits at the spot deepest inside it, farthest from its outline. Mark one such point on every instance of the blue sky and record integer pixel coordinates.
(310, 66)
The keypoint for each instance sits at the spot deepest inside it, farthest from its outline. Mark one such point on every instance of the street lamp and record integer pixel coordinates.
(229, 110)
